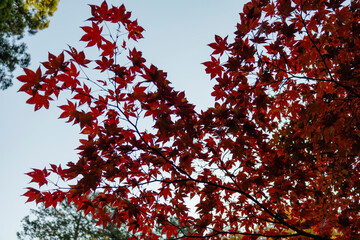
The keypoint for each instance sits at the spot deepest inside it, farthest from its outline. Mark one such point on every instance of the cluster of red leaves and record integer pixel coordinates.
(277, 155)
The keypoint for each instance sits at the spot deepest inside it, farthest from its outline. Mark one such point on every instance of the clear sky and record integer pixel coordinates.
(176, 38)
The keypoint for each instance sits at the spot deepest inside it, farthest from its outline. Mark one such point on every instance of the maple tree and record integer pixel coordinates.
(277, 154)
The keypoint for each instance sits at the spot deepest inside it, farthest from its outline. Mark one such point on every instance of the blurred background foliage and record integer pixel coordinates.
(18, 18)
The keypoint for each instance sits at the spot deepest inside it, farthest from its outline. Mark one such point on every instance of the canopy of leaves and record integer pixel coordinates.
(66, 223)
(17, 18)
(276, 156)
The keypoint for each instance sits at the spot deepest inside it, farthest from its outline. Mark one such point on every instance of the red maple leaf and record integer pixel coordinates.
(219, 46)
(92, 35)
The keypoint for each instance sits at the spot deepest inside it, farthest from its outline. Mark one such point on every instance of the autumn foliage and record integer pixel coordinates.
(276, 156)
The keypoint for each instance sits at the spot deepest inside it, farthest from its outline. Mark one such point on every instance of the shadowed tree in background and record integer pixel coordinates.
(19, 17)
(277, 156)
(66, 223)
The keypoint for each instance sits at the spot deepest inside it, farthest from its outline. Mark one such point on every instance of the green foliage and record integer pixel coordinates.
(17, 18)
(66, 223)
(40, 11)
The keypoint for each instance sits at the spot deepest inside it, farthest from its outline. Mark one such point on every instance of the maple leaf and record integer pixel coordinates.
(119, 14)
(79, 57)
(69, 111)
(39, 101)
(213, 67)
(33, 195)
(39, 176)
(135, 31)
(104, 64)
(220, 45)
(100, 13)
(136, 58)
(31, 80)
(84, 95)
(108, 49)
(93, 35)
(55, 64)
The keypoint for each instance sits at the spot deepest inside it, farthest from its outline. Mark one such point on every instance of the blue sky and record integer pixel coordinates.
(176, 38)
